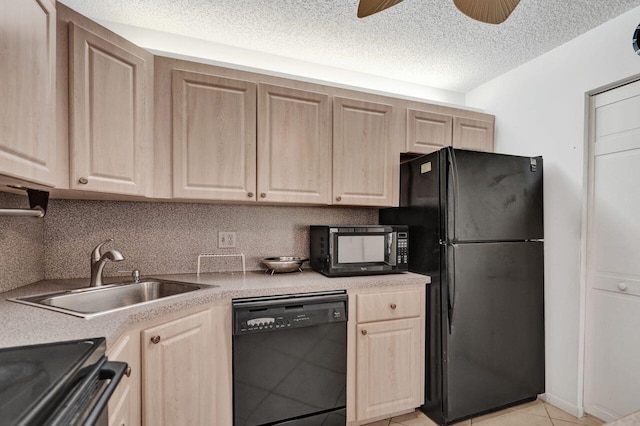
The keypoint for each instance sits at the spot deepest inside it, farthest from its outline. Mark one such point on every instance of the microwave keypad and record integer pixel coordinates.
(402, 251)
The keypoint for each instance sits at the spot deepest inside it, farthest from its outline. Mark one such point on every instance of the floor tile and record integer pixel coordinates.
(379, 423)
(417, 418)
(513, 418)
(534, 407)
(557, 414)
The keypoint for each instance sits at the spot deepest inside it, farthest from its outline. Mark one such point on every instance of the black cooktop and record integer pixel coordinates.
(35, 379)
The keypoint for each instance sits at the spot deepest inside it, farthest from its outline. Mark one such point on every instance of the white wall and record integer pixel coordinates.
(188, 48)
(540, 108)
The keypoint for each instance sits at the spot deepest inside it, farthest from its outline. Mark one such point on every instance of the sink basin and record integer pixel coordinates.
(92, 301)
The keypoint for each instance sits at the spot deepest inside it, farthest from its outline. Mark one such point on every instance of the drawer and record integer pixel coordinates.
(389, 305)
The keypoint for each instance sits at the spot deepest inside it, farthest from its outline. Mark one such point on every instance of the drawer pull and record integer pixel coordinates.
(155, 340)
(393, 306)
(364, 332)
(622, 287)
(127, 372)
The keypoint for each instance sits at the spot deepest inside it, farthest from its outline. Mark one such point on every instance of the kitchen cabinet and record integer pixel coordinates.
(110, 82)
(124, 405)
(214, 137)
(386, 353)
(294, 145)
(178, 379)
(429, 131)
(476, 135)
(28, 46)
(362, 153)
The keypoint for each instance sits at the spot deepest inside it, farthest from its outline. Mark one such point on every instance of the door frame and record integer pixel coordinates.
(587, 208)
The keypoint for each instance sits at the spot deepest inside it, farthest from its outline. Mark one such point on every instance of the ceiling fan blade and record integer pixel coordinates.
(489, 11)
(369, 7)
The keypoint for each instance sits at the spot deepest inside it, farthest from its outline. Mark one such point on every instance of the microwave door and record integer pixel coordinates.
(369, 248)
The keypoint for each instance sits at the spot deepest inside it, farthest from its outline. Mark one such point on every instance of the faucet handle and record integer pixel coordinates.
(95, 253)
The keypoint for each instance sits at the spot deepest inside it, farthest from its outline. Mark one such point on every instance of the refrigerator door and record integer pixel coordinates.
(494, 336)
(493, 197)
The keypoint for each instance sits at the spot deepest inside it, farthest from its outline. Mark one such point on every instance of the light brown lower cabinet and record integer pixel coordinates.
(124, 405)
(180, 370)
(386, 353)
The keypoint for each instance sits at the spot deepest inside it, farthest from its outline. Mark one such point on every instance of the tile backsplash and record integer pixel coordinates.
(21, 245)
(166, 238)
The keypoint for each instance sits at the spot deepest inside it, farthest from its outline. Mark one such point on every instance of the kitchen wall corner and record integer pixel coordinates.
(21, 245)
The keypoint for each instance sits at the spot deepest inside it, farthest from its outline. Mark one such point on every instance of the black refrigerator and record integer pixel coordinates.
(476, 227)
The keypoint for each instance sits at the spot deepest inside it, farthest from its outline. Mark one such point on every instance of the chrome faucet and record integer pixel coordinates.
(98, 260)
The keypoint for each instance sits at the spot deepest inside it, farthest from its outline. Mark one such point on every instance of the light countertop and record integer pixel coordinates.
(25, 325)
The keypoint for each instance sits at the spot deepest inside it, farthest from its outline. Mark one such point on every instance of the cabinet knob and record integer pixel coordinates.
(364, 332)
(338, 198)
(393, 306)
(250, 194)
(622, 287)
(263, 195)
(83, 180)
(155, 340)
(127, 372)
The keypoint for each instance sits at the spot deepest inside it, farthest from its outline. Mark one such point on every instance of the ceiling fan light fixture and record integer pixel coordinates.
(488, 11)
(369, 7)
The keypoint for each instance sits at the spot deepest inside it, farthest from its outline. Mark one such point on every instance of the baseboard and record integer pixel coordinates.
(572, 409)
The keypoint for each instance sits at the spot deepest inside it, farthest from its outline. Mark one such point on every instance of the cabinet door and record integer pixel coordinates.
(124, 404)
(294, 146)
(427, 131)
(362, 167)
(27, 43)
(178, 378)
(214, 137)
(111, 116)
(388, 367)
(476, 135)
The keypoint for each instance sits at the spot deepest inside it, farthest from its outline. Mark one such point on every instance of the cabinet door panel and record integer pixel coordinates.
(427, 131)
(294, 145)
(27, 43)
(178, 372)
(362, 166)
(389, 366)
(476, 135)
(110, 126)
(214, 137)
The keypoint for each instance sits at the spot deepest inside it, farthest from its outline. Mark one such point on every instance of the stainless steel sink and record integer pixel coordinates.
(92, 301)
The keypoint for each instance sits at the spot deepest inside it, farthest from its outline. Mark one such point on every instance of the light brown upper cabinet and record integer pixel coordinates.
(214, 137)
(428, 131)
(362, 150)
(110, 111)
(294, 145)
(27, 84)
(473, 134)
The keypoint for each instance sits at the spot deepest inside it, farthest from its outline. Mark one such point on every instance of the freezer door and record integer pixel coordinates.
(494, 351)
(493, 197)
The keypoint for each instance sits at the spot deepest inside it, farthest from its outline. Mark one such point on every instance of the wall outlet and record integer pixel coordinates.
(226, 239)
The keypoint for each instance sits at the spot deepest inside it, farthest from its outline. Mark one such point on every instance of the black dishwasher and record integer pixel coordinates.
(290, 360)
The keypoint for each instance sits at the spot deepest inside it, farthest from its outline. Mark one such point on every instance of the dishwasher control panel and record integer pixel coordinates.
(273, 314)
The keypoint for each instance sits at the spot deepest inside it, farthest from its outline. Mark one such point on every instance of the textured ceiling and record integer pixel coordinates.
(427, 42)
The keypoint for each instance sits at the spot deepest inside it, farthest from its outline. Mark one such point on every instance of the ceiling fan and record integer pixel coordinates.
(489, 11)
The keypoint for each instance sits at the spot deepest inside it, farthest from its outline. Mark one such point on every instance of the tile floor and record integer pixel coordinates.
(535, 413)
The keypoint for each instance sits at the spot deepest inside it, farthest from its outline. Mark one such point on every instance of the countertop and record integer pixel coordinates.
(26, 325)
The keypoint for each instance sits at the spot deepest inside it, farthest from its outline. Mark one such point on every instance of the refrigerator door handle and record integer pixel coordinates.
(451, 281)
(453, 168)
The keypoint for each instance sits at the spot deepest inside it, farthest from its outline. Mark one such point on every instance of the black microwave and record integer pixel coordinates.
(345, 250)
